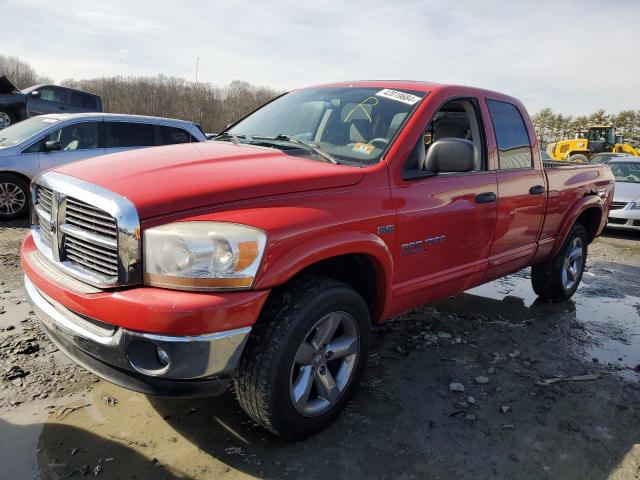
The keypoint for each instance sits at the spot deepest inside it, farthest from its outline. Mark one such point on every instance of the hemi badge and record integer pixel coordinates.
(386, 229)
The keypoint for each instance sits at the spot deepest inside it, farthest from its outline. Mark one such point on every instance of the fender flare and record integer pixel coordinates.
(582, 205)
(278, 271)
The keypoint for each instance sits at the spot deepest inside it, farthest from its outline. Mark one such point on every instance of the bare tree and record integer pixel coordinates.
(211, 106)
(20, 73)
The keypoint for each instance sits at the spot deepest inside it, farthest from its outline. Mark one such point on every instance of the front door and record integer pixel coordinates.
(50, 99)
(77, 142)
(445, 222)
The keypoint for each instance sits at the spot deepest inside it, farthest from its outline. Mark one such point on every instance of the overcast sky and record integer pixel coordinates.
(573, 56)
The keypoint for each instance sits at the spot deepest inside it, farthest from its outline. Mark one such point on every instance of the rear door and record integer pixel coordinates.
(50, 99)
(445, 221)
(122, 135)
(521, 191)
(82, 102)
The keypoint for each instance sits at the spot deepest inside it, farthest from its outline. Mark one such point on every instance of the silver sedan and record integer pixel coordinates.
(625, 209)
(40, 143)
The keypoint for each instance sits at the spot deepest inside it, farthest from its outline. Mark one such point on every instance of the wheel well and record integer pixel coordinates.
(360, 272)
(590, 220)
(17, 174)
(15, 110)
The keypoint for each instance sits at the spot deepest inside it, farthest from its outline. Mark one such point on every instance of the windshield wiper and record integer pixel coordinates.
(235, 139)
(309, 146)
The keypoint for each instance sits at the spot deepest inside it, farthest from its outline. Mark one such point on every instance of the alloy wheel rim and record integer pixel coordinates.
(324, 364)
(573, 264)
(12, 198)
(5, 120)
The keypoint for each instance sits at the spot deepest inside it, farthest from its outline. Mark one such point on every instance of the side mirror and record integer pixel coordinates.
(51, 145)
(450, 155)
(35, 94)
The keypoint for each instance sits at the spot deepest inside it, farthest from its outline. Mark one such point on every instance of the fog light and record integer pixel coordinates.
(163, 356)
(148, 357)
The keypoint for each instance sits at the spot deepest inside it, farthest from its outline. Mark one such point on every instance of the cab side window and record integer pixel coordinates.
(53, 94)
(173, 135)
(79, 136)
(82, 100)
(126, 134)
(514, 147)
(455, 119)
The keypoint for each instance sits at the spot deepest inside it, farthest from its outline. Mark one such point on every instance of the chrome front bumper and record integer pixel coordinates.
(149, 363)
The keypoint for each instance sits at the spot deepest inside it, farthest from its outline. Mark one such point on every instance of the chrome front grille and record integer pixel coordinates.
(44, 201)
(91, 219)
(90, 238)
(91, 233)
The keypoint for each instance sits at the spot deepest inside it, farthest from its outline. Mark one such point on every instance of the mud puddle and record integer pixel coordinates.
(606, 306)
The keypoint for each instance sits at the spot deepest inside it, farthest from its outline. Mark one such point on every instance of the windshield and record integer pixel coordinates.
(340, 125)
(22, 131)
(628, 172)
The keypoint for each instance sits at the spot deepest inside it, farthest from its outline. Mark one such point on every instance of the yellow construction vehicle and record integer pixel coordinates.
(597, 139)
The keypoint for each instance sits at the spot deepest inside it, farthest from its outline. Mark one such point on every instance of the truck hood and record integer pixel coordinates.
(626, 192)
(7, 86)
(175, 178)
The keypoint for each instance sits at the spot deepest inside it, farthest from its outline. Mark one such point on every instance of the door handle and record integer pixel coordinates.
(537, 190)
(486, 197)
(61, 108)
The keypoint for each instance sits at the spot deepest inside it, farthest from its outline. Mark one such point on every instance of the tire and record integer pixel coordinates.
(578, 158)
(552, 280)
(271, 373)
(14, 197)
(7, 118)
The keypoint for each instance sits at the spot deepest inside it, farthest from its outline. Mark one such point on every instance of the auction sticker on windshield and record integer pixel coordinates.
(399, 96)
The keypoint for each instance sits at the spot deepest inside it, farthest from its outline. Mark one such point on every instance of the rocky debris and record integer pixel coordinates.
(456, 387)
(28, 352)
(481, 380)
(471, 400)
(109, 400)
(14, 372)
(505, 409)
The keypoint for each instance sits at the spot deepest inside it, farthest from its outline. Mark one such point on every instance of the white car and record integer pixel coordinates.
(625, 209)
(47, 141)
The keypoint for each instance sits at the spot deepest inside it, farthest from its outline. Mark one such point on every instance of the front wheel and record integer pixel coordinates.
(7, 118)
(304, 357)
(14, 197)
(558, 279)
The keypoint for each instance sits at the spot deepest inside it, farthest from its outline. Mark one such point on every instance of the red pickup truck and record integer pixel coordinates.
(263, 257)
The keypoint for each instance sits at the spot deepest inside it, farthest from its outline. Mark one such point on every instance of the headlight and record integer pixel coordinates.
(634, 205)
(202, 255)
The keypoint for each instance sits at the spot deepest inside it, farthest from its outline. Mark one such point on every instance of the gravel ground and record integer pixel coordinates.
(489, 384)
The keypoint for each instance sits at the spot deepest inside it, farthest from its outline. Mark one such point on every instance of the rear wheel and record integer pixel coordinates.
(578, 158)
(304, 357)
(7, 118)
(558, 279)
(14, 197)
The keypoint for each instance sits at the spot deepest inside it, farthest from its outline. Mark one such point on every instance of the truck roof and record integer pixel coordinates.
(417, 85)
